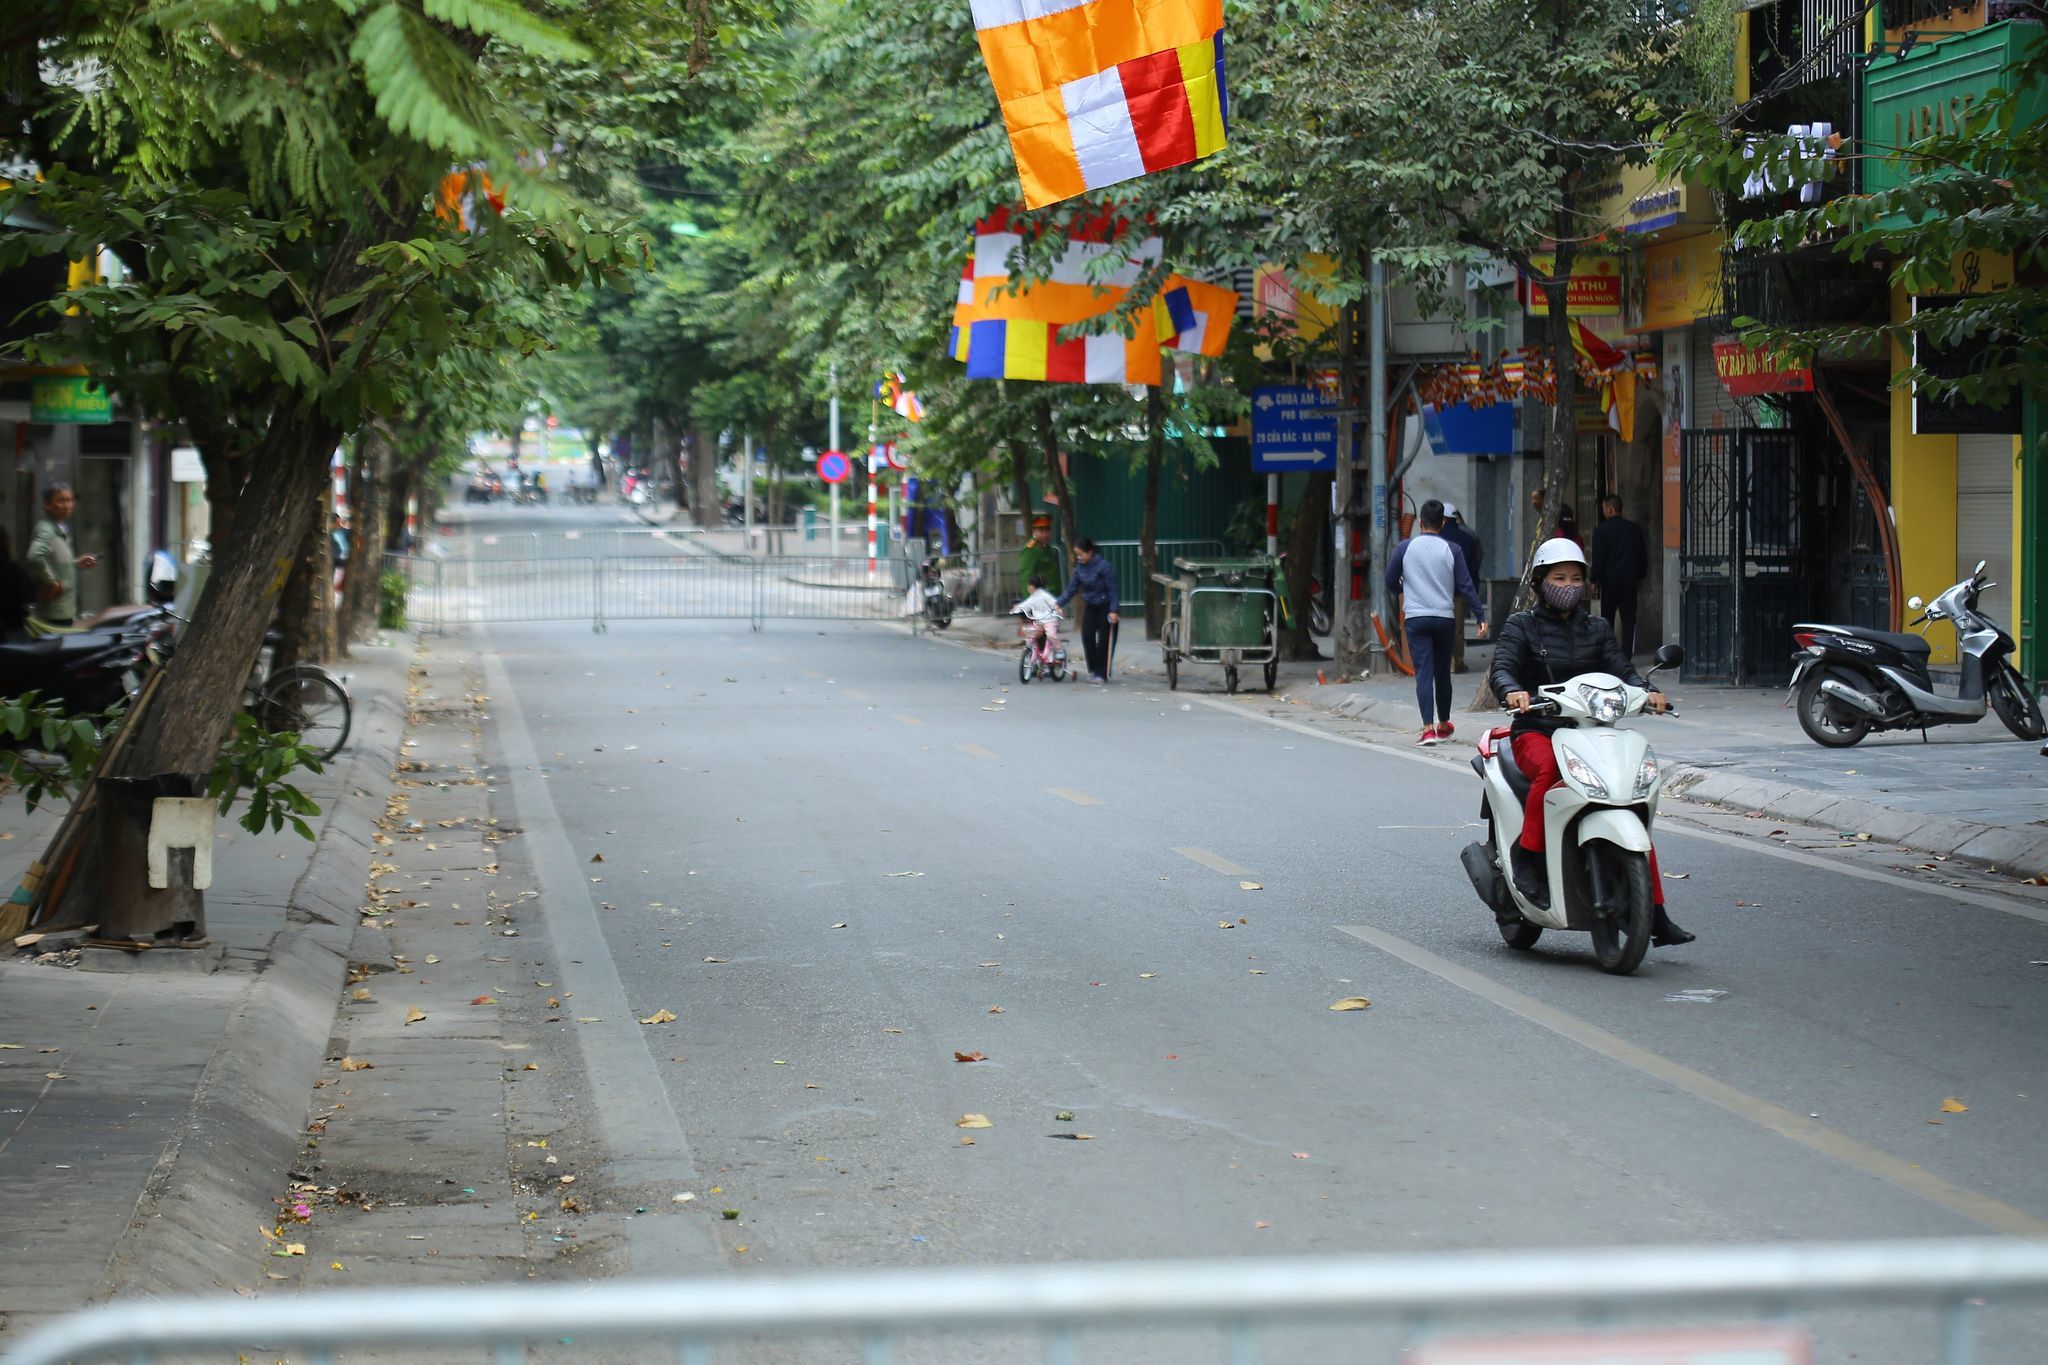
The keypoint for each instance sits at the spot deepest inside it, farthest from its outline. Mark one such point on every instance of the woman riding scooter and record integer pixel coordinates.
(1551, 642)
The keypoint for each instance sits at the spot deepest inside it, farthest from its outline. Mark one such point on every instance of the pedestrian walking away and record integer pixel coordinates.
(1094, 581)
(52, 562)
(1621, 561)
(1460, 535)
(1428, 573)
(1552, 642)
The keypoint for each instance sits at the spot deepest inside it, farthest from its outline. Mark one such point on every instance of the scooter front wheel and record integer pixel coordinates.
(1826, 721)
(1621, 932)
(2016, 704)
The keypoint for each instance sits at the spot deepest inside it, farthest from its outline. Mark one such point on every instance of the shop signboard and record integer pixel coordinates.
(73, 398)
(1933, 88)
(1675, 284)
(1752, 372)
(1594, 290)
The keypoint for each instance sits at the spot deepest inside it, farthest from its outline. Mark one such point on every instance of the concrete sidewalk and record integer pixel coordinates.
(1969, 791)
(148, 1112)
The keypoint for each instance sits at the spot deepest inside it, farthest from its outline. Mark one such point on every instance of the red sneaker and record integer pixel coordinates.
(1429, 737)
(1445, 730)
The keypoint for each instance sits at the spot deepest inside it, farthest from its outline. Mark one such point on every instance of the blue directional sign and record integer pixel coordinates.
(1292, 429)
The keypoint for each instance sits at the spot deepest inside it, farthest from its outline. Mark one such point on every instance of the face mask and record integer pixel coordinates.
(1562, 596)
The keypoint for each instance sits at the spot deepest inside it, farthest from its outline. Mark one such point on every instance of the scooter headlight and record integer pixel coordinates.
(1607, 704)
(1646, 776)
(1581, 772)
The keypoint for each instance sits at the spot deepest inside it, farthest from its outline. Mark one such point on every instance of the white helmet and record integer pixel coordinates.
(1556, 550)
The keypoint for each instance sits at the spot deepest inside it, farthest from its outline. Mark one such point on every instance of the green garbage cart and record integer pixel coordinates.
(1222, 611)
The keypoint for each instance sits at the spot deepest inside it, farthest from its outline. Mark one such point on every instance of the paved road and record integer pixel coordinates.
(842, 856)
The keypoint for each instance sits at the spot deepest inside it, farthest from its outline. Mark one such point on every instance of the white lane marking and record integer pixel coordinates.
(1904, 1175)
(1211, 860)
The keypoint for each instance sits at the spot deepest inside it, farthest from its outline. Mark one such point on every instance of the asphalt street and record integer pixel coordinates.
(845, 858)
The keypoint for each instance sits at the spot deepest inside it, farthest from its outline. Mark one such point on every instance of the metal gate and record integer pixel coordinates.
(1741, 554)
(689, 586)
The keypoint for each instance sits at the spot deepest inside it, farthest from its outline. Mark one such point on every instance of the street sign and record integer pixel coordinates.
(69, 398)
(1654, 1346)
(833, 466)
(897, 462)
(1294, 427)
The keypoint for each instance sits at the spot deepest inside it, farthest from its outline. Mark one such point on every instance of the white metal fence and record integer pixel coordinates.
(1920, 1302)
(651, 584)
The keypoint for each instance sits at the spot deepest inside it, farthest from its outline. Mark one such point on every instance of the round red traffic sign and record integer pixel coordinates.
(832, 466)
(896, 461)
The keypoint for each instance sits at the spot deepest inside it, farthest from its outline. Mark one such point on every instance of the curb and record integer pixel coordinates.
(215, 1184)
(2020, 851)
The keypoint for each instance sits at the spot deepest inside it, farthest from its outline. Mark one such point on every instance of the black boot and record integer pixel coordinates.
(1665, 934)
(1531, 876)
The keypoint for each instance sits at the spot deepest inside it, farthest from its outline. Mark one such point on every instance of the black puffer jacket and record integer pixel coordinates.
(1541, 646)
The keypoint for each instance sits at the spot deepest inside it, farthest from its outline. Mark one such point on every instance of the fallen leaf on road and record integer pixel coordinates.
(906, 874)
(553, 1003)
(995, 1009)
(597, 857)
(970, 1056)
(988, 964)
(530, 1066)
(1256, 971)
(1301, 1156)
(569, 1204)
(966, 1141)
(840, 925)
(1952, 1105)
(892, 1030)
(1677, 876)
(337, 1266)
(1352, 1002)
(718, 959)
(1250, 886)
(294, 1248)
(1262, 1224)
(1064, 1116)
(11, 1047)
(590, 1019)
(1073, 1137)
(974, 1121)
(357, 1064)
(361, 993)
(414, 1015)
(1147, 976)
(659, 1017)
(53, 1075)
(2035, 881)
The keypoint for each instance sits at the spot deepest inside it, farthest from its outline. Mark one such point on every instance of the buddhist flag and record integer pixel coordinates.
(1615, 373)
(1095, 92)
(1193, 316)
(1006, 334)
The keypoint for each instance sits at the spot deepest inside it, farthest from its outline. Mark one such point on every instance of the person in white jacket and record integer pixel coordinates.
(1041, 610)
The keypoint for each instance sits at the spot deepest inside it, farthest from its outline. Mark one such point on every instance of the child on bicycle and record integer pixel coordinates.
(1041, 612)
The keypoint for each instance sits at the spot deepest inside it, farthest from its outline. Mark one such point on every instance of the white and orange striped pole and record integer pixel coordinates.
(874, 455)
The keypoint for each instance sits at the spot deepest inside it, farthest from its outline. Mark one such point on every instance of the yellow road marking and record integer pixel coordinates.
(907, 720)
(1211, 860)
(976, 751)
(1078, 798)
(1784, 1122)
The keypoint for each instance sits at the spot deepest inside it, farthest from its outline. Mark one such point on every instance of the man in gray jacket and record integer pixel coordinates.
(51, 561)
(1429, 574)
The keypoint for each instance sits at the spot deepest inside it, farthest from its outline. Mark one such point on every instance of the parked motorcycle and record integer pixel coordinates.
(1596, 823)
(1850, 680)
(84, 672)
(937, 602)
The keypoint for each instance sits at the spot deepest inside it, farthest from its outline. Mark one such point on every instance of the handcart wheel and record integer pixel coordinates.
(1230, 677)
(1272, 673)
(1171, 649)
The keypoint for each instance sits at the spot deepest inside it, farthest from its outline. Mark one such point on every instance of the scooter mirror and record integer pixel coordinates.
(1979, 571)
(1915, 603)
(1670, 656)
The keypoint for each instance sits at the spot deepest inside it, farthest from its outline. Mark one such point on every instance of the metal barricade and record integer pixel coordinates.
(1915, 1301)
(676, 587)
(832, 588)
(479, 591)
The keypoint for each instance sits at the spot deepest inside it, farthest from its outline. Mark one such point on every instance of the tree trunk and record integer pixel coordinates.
(1056, 475)
(369, 485)
(1148, 535)
(306, 607)
(1311, 521)
(704, 475)
(405, 480)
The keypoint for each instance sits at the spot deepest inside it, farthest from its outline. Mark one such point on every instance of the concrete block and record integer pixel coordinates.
(2023, 850)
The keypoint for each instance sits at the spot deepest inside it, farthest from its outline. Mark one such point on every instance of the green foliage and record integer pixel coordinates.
(72, 743)
(256, 763)
(394, 590)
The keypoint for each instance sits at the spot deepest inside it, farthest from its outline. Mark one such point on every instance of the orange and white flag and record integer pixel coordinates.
(1095, 92)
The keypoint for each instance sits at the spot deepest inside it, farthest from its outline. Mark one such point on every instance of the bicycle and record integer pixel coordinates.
(304, 699)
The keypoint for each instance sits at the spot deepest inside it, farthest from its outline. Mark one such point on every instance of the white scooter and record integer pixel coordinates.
(1596, 822)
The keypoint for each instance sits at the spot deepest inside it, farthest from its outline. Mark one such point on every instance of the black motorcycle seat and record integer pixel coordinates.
(1905, 644)
(57, 647)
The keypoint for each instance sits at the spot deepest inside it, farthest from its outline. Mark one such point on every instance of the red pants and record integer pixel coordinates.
(1538, 762)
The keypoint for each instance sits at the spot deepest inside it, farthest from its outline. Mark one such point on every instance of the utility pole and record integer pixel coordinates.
(832, 442)
(747, 485)
(1376, 433)
(1343, 612)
